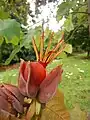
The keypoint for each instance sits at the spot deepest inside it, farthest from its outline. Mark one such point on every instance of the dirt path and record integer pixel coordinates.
(9, 67)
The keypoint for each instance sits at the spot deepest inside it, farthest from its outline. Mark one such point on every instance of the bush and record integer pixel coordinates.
(24, 53)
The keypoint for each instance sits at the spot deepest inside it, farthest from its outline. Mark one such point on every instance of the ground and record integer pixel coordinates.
(75, 83)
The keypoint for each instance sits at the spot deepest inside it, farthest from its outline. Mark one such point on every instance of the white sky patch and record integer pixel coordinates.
(46, 15)
(54, 25)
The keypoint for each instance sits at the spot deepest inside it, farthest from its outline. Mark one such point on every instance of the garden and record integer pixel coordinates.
(44, 69)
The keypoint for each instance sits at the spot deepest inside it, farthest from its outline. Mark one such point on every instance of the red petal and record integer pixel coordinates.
(16, 104)
(21, 80)
(38, 73)
(4, 104)
(2, 93)
(22, 67)
(15, 91)
(27, 71)
(32, 90)
(49, 85)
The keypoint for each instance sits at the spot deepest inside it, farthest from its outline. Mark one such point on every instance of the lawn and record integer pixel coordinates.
(75, 84)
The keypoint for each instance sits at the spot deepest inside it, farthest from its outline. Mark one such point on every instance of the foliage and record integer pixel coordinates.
(24, 44)
(12, 15)
(14, 9)
(76, 23)
(76, 8)
(10, 54)
(79, 39)
(68, 24)
(12, 37)
(17, 42)
(10, 30)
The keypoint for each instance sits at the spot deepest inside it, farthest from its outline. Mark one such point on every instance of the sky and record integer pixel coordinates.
(46, 10)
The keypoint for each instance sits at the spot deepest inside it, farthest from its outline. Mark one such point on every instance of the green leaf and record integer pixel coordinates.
(68, 23)
(47, 32)
(1, 40)
(82, 18)
(63, 8)
(25, 42)
(15, 40)
(4, 15)
(68, 48)
(27, 39)
(62, 55)
(59, 17)
(16, 50)
(9, 28)
(36, 33)
(58, 35)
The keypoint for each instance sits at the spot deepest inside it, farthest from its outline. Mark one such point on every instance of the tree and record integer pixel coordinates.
(89, 25)
(76, 14)
(14, 9)
(79, 39)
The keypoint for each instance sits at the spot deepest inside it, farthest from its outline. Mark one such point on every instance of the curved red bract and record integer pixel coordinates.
(38, 73)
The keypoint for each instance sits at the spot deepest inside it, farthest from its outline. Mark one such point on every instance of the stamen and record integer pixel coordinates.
(59, 43)
(48, 55)
(55, 55)
(35, 49)
(48, 48)
(55, 49)
(41, 46)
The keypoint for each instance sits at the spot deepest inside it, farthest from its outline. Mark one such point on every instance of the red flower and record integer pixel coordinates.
(30, 77)
(33, 81)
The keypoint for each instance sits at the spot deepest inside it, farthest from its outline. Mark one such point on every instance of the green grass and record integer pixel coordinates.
(75, 83)
(9, 76)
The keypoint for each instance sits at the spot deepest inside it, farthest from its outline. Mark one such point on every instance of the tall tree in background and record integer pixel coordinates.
(15, 9)
(77, 14)
(89, 24)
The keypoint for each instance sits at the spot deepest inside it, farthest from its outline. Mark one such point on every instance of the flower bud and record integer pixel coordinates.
(11, 100)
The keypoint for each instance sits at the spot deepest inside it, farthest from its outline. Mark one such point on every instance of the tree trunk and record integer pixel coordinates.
(89, 15)
(89, 26)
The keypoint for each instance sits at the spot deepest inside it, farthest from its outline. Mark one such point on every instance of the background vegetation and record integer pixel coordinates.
(15, 43)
